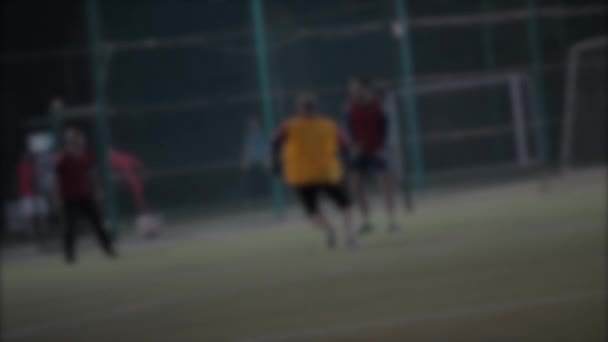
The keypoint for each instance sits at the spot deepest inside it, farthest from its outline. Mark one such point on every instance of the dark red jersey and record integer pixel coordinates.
(367, 125)
(27, 176)
(75, 175)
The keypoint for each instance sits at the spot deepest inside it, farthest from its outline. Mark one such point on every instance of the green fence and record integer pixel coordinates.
(476, 86)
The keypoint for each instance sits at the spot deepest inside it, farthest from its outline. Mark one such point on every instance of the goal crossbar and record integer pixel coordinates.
(516, 84)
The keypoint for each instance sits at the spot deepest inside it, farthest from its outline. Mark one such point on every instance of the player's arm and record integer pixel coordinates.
(277, 143)
(348, 126)
(349, 132)
(344, 144)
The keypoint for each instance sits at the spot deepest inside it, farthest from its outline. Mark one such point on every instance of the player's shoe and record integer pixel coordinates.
(366, 228)
(393, 227)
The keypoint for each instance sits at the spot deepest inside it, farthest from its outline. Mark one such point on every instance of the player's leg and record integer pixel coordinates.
(309, 196)
(387, 187)
(360, 168)
(92, 212)
(137, 189)
(388, 191)
(339, 194)
(71, 213)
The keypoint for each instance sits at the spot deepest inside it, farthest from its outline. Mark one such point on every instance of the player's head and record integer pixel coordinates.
(360, 88)
(306, 104)
(56, 104)
(75, 140)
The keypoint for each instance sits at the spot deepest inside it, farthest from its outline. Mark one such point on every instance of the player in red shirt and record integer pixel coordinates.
(75, 177)
(368, 126)
(127, 167)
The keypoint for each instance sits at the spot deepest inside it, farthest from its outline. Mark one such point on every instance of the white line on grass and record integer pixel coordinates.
(83, 319)
(136, 308)
(418, 318)
(126, 310)
(309, 333)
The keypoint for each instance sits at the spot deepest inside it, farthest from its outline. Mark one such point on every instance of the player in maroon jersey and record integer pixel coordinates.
(368, 126)
(74, 170)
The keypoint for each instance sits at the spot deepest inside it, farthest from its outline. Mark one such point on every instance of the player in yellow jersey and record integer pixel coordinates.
(306, 150)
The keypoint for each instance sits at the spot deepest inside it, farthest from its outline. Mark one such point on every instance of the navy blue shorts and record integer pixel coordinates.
(365, 164)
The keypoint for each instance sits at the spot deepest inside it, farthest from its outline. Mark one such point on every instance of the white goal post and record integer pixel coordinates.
(516, 88)
(571, 89)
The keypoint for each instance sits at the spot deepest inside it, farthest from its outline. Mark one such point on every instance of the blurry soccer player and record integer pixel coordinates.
(33, 206)
(255, 161)
(368, 128)
(127, 168)
(306, 149)
(255, 146)
(75, 177)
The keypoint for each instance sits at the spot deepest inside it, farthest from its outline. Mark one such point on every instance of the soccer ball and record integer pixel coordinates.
(398, 29)
(148, 225)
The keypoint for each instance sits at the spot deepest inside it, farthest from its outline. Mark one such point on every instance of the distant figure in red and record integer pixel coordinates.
(368, 126)
(74, 169)
(127, 166)
(33, 206)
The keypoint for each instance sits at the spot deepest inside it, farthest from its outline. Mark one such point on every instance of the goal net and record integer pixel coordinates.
(473, 128)
(188, 89)
(585, 107)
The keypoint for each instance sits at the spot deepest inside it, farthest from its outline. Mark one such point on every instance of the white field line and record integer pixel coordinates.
(311, 333)
(413, 319)
(84, 319)
(139, 307)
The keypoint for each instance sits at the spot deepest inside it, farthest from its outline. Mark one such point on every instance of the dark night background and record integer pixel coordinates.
(33, 31)
(28, 83)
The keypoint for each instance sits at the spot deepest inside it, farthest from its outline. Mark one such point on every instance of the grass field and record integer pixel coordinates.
(499, 264)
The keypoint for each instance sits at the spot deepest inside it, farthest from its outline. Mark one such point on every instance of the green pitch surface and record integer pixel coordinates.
(501, 264)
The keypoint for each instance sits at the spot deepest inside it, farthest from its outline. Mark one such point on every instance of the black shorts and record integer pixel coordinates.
(309, 196)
